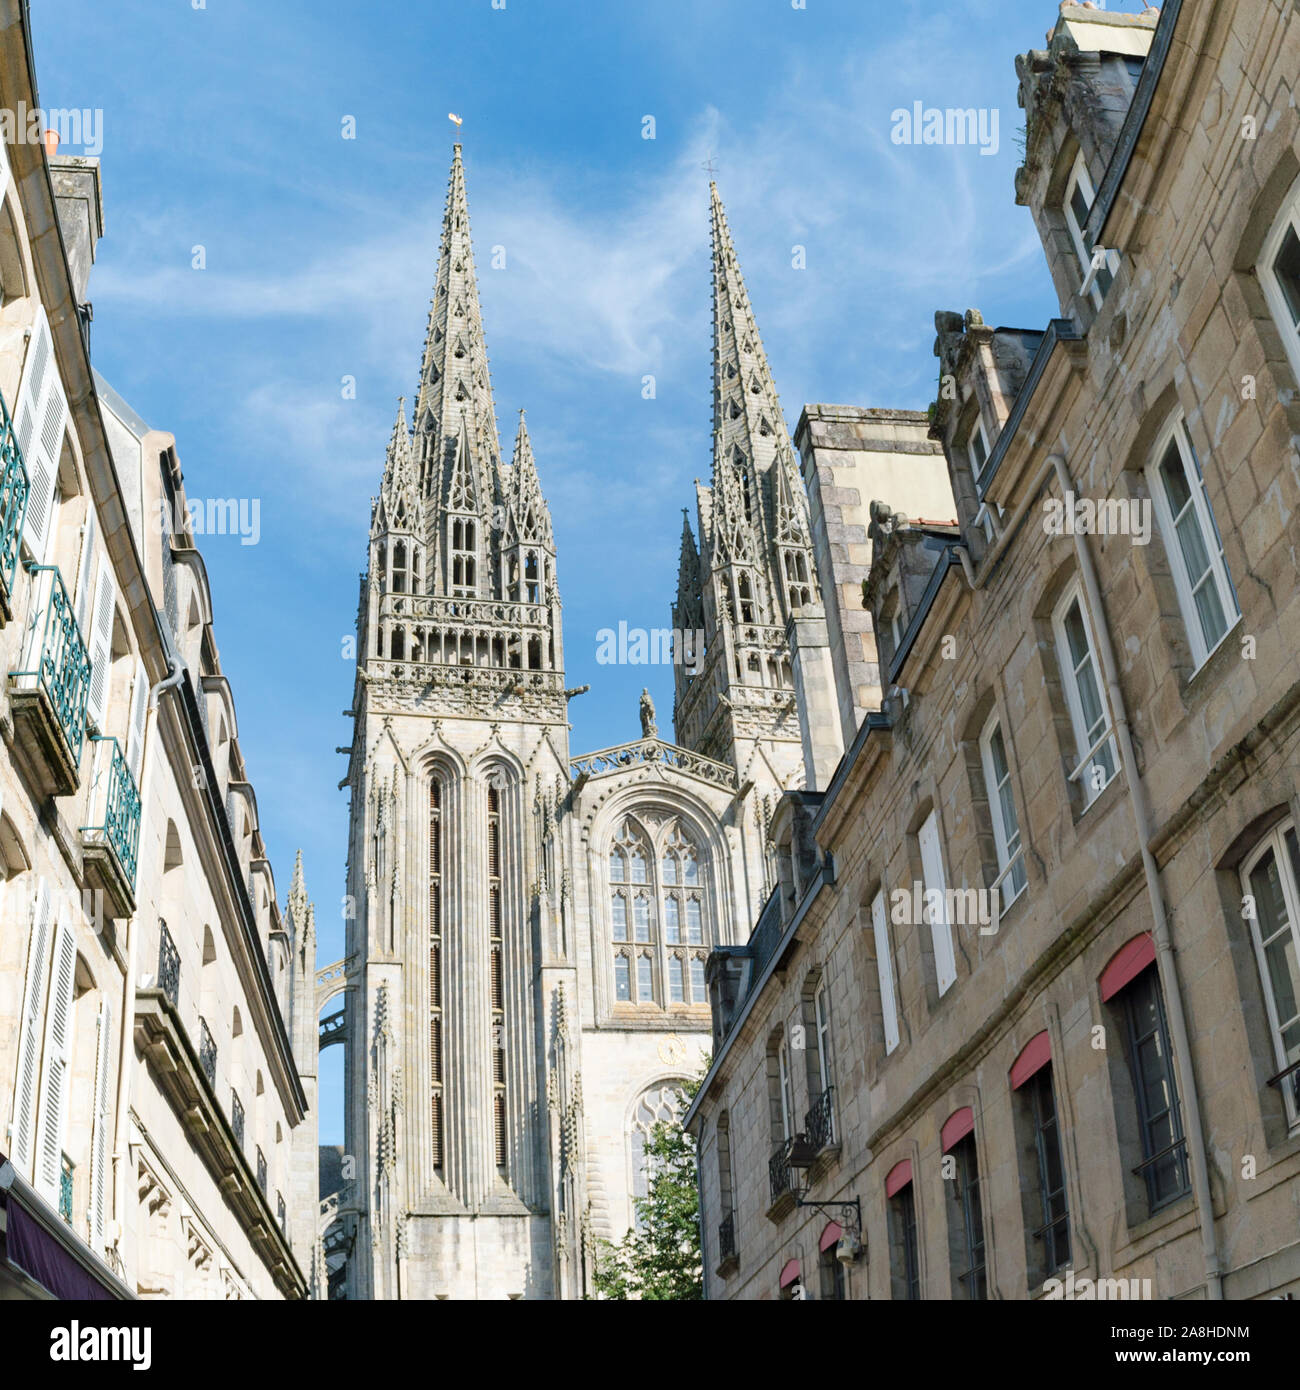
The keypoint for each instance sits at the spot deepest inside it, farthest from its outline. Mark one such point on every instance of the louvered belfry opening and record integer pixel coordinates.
(498, 986)
(435, 971)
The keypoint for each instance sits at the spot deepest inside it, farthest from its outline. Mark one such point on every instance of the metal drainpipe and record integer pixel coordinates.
(173, 678)
(1166, 959)
(1166, 962)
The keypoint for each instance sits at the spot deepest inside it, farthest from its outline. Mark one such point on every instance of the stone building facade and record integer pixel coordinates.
(1026, 1023)
(159, 1136)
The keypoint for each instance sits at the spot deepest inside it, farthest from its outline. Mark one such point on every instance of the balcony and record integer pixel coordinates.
(169, 966)
(49, 693)
(261, 1170)
(65, 1189)
(111, 842)
(281, 1214)
(779, 1175)
(14, 487)
(727, 1258)
(237, 1118)
(207, 1052)
(819, 1124)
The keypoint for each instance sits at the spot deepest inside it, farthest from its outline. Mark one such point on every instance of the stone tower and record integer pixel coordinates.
(460, 734)
(753, 573)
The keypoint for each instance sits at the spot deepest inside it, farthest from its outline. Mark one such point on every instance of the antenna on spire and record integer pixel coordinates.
(711, 166)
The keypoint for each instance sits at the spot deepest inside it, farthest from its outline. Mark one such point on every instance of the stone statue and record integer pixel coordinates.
(649, 729)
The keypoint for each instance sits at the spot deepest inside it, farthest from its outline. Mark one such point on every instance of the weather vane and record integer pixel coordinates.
(710, 166)
(457, 121)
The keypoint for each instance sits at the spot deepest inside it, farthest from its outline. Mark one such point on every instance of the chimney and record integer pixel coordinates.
(79, 196)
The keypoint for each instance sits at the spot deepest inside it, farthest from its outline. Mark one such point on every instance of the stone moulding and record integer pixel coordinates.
(648, 752)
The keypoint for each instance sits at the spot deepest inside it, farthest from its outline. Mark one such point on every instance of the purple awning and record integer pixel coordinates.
(31, 1247)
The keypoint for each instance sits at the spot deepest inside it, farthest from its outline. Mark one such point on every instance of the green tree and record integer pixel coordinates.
(660, 1259)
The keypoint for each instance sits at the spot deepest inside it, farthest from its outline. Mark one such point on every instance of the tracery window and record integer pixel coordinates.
(661, 1104)
(658, 917)
(435, 969)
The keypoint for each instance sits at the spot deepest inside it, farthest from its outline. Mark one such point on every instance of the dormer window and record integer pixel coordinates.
(1079, 198)
(977, 450)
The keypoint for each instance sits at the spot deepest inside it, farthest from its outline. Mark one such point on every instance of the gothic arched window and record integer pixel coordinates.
(659, 922)
(662, 1104)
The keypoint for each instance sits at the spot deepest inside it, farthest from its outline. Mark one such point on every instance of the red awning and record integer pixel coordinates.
(790, 1273)
(957, 1126)
(899, 1176)
(1127, 964)
(830, 1236)
(1034, 1056)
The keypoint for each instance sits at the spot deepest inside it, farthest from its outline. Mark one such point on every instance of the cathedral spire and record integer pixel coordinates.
(530, 514)
(454, 379)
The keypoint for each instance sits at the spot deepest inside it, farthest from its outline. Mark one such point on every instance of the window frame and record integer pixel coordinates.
(1175, 434)
(1149, 979)
(905, 1241)
(966, 1195)
(1086, 752)
(1288, 219)
(885, 972)
(945, 960)
(1002, 840)
(1289, 882)
(1048, 1130)
(977, 432)
(1080, 178)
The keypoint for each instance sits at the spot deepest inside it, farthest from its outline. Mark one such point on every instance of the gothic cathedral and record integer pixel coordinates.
(527, 956)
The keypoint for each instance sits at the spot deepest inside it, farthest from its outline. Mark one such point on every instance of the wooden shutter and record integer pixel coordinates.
(56, 1067)
(29, 1042)
(100, 640)
(135, 726)
(40, 421)
(945, 961)
(87, 572)
(99, 1138)
(885, 970)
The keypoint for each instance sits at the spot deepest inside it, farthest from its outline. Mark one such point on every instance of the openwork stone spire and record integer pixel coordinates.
(529, 519)
(454, 379)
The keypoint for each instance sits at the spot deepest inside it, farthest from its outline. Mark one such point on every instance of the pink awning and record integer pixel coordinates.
(790, 1273)
(1127, 964)
(957, 1126)
(899, 1176)
(1034, 1056)
(830, 1236)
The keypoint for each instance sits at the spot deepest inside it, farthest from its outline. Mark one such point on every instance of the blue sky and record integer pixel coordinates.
(223, 129)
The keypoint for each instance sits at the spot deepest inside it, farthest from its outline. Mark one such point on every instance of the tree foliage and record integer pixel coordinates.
(660, 1257)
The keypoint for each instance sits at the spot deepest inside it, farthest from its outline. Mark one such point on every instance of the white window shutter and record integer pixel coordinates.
(100, 641)
(40, 421)
(885, 971)
(945, 960)
(99, 1140)
(56, 1065)
(29, 1042)
(87, 573)
(135, 726)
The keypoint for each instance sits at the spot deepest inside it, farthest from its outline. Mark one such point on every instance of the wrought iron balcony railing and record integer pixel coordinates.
(169, 966)
(727, 1239)
(115, 806)
(281, 1214)
(261, 1170)
(208, 1052)
(819, 1123)
(65, 1189)
(778, 1170)
(14, 488)
(54, 657)
(237, 1118)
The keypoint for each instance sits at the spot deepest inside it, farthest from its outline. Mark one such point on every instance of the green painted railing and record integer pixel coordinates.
(55, 655)
(14, 487)
(115, 805)
(65, 1189)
